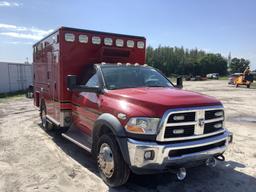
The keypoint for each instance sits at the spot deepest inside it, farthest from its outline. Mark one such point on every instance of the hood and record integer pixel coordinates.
(159, 99)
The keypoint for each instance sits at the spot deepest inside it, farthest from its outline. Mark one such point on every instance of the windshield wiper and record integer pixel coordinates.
(156, 86)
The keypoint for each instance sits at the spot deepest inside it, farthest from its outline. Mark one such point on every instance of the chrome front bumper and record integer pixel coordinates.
(161, 159)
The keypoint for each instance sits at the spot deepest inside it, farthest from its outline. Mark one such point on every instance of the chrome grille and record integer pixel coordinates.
(191, 123)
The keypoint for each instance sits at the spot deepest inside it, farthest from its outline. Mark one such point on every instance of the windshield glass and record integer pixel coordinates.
(118, 77)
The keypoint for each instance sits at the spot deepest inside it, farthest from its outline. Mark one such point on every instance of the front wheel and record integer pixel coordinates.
(111, 165)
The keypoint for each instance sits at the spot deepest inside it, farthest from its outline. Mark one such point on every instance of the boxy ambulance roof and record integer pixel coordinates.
(90, 31)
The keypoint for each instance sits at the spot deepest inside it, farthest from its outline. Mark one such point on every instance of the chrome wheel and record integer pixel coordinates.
(105, 160)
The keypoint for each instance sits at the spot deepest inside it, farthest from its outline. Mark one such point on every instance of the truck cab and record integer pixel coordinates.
(130, 116)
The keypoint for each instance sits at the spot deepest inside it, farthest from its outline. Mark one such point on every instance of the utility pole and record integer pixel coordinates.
(229, 62)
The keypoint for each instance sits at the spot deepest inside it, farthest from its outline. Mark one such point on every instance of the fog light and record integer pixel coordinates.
(211, 162)
(149, 155)
(181, 174)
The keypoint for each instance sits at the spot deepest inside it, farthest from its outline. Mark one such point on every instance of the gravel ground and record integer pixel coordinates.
(32, 160)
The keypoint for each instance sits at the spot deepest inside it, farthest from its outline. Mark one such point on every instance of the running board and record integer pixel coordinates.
(78, 138)
(52, 121)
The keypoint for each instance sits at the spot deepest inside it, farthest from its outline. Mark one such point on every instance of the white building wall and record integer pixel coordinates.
(14, 76)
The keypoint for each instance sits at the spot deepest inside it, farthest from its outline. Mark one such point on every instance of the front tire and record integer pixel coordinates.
(111, 165)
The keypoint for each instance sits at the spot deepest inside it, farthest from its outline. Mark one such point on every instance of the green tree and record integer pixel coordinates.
(213, 63)
(239, 65)
(175, 60)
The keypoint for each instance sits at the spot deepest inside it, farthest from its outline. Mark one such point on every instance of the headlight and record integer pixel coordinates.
(142, 125)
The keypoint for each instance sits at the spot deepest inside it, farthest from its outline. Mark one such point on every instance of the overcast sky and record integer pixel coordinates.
(219, 26)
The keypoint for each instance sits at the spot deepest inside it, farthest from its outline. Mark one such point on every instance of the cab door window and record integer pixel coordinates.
(93, 81)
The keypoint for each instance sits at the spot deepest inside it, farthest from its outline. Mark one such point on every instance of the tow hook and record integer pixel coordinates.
(230, 137)
(220, 157)
(181, 173)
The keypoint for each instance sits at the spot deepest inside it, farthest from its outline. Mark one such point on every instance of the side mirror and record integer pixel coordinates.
(71, 82)
(179, 83)
(72, 85)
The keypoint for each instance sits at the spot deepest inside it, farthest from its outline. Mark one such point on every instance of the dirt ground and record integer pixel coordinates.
(32, 160)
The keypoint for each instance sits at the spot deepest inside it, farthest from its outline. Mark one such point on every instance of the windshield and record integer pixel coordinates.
(118, 77)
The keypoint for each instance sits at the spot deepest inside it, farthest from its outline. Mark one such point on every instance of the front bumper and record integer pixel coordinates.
(161, 158)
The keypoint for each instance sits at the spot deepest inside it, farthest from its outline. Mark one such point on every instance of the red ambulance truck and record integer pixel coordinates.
(95, 88)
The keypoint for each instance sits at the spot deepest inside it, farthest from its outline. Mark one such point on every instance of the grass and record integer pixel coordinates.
(223, 78)
(12, 94)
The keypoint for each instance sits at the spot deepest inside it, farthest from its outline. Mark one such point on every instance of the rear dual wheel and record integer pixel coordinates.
(44, 122)
(111, 165)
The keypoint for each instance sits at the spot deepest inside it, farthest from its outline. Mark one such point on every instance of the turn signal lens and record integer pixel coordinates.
(134, 129)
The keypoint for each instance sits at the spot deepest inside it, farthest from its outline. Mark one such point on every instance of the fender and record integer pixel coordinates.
(111, 122)
(116, 128)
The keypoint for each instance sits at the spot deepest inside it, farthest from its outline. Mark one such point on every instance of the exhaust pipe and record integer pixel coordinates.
(181, 174)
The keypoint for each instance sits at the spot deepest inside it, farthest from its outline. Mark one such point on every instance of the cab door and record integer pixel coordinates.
(86, 106)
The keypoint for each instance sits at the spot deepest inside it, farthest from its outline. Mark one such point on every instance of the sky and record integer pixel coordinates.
(219, 26)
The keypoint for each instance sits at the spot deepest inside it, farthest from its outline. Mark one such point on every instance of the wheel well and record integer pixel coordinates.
(104, 129)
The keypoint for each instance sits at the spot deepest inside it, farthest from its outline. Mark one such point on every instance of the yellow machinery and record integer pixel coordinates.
(243, 80)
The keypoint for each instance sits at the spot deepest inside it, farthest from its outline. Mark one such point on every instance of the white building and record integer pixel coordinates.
(14, 76)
